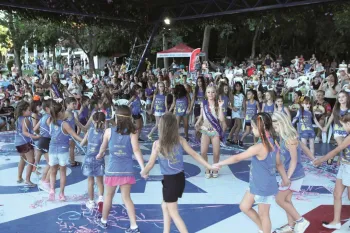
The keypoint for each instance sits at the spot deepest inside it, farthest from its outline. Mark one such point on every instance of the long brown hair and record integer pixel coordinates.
(99, 118)
(55, 109)
(336, 110)
(124, 120)
(264, 123)
(168, 134)
(21, 107)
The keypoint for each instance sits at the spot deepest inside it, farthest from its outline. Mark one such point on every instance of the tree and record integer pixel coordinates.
(5, 42)
(19, 31)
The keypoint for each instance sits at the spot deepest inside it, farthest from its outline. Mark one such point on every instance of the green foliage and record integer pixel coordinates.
(10, 64)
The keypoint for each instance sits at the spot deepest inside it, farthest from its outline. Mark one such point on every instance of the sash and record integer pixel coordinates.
(56, 91)
(212, 120)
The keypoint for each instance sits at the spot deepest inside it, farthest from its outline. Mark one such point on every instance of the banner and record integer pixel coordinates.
(193, 59)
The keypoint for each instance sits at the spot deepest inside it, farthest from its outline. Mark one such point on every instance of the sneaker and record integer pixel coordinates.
(334, 226)
(44, 186)
(90, 205)
(208, 175)
(240, 143)
(215, 174)
(317, 140)
(285, 229)
(301, 226)
(101, 224)
(62, 197)
(132, 231)
(100, 199)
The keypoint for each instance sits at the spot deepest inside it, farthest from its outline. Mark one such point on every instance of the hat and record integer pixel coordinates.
(36, 98)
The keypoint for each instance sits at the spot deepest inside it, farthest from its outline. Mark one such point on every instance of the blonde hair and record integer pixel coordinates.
(215, 99)
(168, 135)
(286, 130)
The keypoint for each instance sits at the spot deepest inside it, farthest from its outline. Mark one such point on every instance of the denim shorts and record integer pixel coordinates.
(307, 134)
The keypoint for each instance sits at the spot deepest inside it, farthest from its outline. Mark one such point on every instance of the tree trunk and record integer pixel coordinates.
(18, 62)
(91, 64)
(257, 29)
(165, 47)
(53, 49)
(206, 40)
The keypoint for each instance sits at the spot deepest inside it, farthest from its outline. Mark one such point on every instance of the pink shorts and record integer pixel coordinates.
(119, 180)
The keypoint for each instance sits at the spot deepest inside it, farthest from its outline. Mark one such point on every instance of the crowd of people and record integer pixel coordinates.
(53, 114)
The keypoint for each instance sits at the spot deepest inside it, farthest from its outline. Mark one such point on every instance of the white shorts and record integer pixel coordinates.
(295, 185)
(61, 159)
(159, 114)
(344, 174)
(268, 200)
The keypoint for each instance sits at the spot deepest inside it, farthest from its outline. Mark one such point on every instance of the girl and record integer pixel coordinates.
(71, 117)
(182, 107)
(290, 150)
(83, 114)
(305, 117)
(252, 107)
(343, 178)
(269, 107)
(43, 145)
(262, 180)
(91, 167)
(149, 93)
(213, 118)
(160, 106)
(24, 141)
(169, 150)
(199, 94)
(224, 96)
(237, 112)
(135, 105)
(280, 107)
(35, 108)
(340, 109)
(60, 132)
(122, 142)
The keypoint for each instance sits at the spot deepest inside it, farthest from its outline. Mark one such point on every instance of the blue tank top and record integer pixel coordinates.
(20, 139)
(108, 113)
(136, 106)
(225, 106)
(262, 179)
(269, 108)
(345, 159)
(286, 158)
(174, 165)
(44, 128)
(120, 155)
(84, 114)
(70, 120)
(338, 128)
(95, 139)
(159, 103)
(181, 106)
(305, 121)
(251, 111)
(200, 97)
(59, 140)
(283, 110)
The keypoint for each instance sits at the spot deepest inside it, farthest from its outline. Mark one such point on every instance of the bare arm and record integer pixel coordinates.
(334, 152)
(152, 159)
(293, 150)
(82, 143)
(136, 149)
(70, 131)
(306, 151)
(25, 131)
(103, 148)
(252, 151)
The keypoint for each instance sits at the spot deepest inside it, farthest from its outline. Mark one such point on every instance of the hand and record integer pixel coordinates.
(324, 129)
(234, 109)
(188, 111)
(221, 103)
(99, 156)
(317, 162)
(285, 183)
(215, 167)
(144, 174)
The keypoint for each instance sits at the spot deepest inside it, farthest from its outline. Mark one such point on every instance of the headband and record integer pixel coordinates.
(123, 116)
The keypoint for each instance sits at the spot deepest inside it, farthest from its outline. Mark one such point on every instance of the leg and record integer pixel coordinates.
(139, 126)
(91, 183)
(38, 154)
(63, 179)
(155, 127)
(246, 132)
(130, 208)
(30, 158)
(21, 166)
(339, 141)
(107, 204)
(264, 215)
(71, 151)
(312, 145)
(338, 192)
(237, 129)
(185, 121)
(166, 218)
(53, 173)
(233, 130)
(175, 216)
(205, 140)
(99, 181)
(246, 207)
(215, 141)
(46, 172)
(284, 199)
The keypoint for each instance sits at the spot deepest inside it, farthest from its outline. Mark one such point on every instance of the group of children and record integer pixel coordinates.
(50, 127)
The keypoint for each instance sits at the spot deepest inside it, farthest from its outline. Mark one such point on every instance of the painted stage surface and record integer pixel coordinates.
(207, 206)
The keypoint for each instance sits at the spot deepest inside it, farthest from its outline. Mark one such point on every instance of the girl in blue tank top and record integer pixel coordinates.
(305, 117)
(84, 111)
(43, 144)
(122, 142)
(91, 166)
(182, 106)
(135, 105)
(60, 132)
(340, 109)
(279, 107)
(251, 109)
(169, 150)
(262, 180)
(269, 106)
(343, 177)
(24, 141)
(159, 104)
(290, 151)
(225, 95)
(72, 119)
(35, 108)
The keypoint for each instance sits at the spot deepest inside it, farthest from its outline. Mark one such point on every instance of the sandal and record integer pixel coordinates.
(215, 174)
(29, 185)
(75, 164)
(62, 197)
(330, 161)
(20, 181)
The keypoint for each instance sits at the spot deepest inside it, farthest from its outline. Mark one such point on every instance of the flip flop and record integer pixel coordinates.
(20, 181)
(75, 164)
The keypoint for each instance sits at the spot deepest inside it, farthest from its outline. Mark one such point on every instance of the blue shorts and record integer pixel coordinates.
(92, 166)
(307, 134)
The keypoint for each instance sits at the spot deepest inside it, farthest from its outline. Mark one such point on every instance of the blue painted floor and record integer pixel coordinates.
(207, 206)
